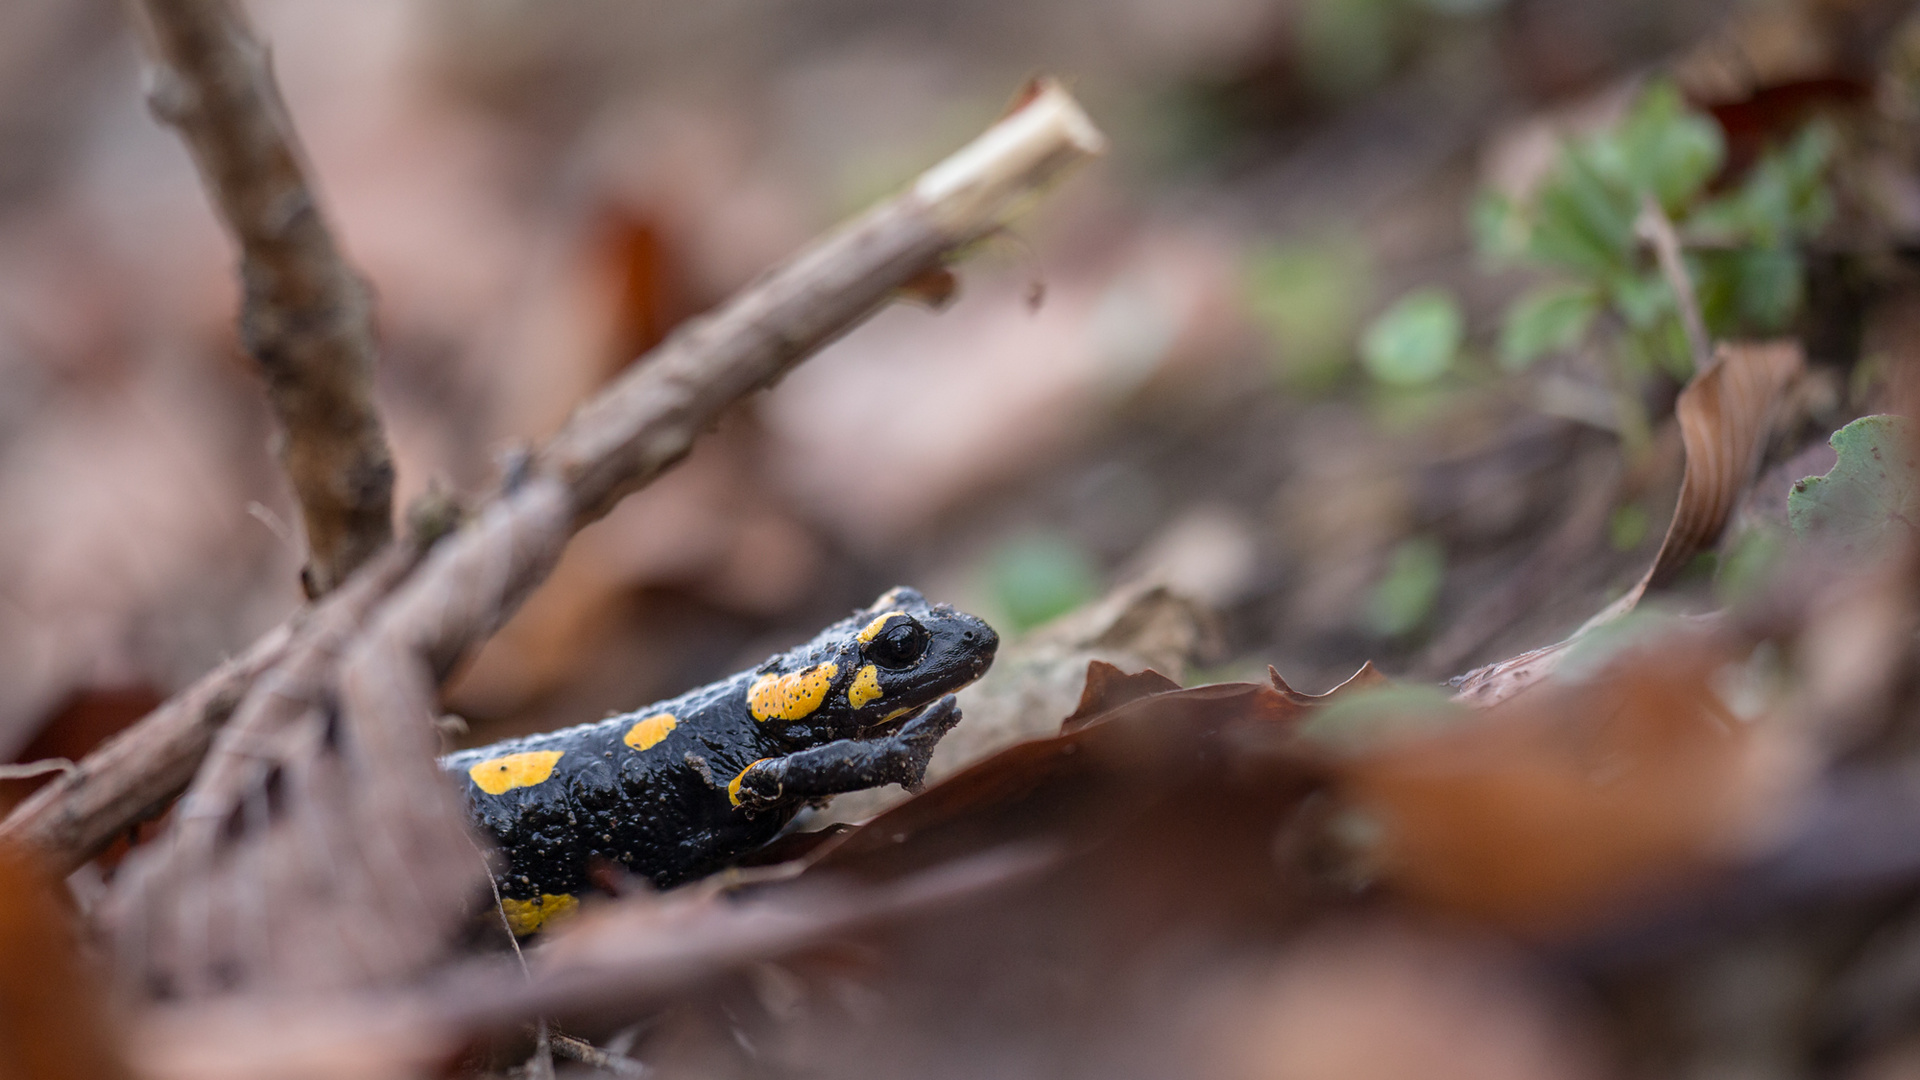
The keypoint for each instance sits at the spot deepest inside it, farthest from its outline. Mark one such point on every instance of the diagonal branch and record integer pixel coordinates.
(306, 317)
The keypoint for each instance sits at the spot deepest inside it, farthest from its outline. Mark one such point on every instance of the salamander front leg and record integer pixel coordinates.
(849, 764)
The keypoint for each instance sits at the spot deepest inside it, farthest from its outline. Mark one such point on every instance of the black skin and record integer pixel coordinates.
(665, 813)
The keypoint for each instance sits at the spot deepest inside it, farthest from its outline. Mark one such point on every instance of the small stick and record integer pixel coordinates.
(1657, 230)
(588, 1054)
(306, 318)
(42, 767)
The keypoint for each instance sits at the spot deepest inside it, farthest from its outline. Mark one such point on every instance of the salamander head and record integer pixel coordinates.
(877, 666)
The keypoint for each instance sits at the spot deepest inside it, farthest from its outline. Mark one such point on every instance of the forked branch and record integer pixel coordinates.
(306, 316)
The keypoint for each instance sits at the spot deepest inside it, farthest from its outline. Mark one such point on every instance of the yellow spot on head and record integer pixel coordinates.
(650, 730)
(497, 776)
(878, 624)
(526, 916)
(865, 688)
(790, 697)
(888, 599)
(733, 786)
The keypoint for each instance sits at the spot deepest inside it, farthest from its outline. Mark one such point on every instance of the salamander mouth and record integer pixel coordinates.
(898, 720)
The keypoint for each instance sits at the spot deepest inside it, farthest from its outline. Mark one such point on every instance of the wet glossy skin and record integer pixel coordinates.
(665, 790)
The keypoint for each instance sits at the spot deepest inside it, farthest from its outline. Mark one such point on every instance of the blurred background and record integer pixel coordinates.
(1280, 351)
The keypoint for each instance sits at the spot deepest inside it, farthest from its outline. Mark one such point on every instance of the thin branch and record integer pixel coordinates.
(1657, 230)
(306, 317)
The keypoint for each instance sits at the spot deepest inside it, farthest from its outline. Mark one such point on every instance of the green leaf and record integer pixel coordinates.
(1547, 319)
(1751, 561)
(1582, 221)
(1040, 576)
(1872, 494)
(1403, 599)
(1500, 228)
(1307, 299)
(1769, 286)
(1643, 299)
(1627, 526)
(1415, 340)
(1667, 149)
(1366, 715)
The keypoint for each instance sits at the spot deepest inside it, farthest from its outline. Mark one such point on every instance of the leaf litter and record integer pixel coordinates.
(1534, 878)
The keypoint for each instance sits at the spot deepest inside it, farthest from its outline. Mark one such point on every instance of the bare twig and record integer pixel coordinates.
(1657, 230)
(31, 769)
(306, 318)
(332, 775)
(588, 1054)
(135, 774)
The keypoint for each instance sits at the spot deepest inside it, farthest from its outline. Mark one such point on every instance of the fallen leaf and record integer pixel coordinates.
(1378, 1001)
(1724, 415)
(1871, 497)
(1564, 806)
(53, 1023)
(1108, 688)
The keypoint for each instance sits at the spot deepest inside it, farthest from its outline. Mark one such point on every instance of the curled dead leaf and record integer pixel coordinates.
(1724, 416)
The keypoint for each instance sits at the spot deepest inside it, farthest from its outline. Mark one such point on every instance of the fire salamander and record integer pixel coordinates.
(677, 789)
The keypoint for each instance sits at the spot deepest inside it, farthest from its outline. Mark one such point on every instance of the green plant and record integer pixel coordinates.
(1742, 247)
(1405, 595)
(1415, 341)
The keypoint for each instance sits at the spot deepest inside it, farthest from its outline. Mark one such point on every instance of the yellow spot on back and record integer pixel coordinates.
(526, 916)
(873, 628)
(733, 786)
(790, 697)
(648, 731)
(497, 776)
(865, 688)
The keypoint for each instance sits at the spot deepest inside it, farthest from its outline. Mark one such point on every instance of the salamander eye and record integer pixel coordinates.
(899, 645)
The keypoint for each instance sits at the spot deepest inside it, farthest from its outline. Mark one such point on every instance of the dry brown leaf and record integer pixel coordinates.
(1724, 416)
(1108, 688)
(1561, 807)
(53, 1025)
(1378, 1001)
(1043, 676)
(1367, 678)
(1135, 739)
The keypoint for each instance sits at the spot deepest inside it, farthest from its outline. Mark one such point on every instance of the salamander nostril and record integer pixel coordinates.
(967, 636)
